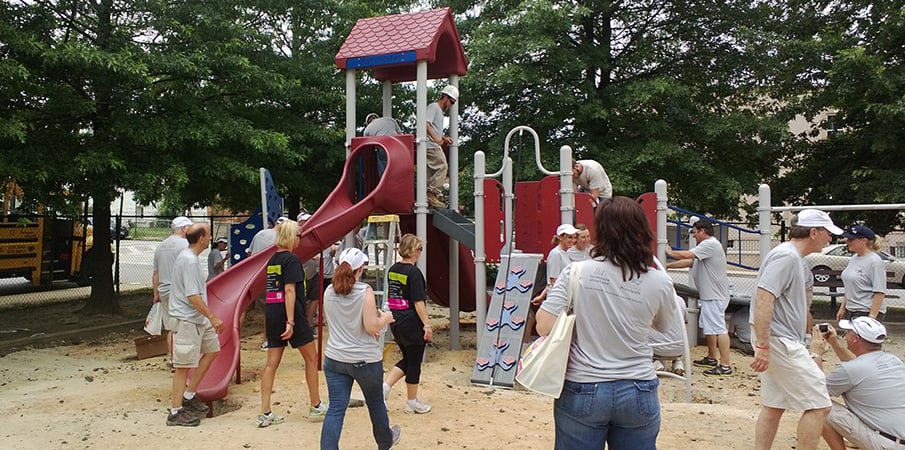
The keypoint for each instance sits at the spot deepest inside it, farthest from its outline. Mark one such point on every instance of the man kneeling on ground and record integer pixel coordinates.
(870, 381)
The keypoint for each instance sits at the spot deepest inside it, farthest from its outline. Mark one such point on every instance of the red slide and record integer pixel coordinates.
(230, 293)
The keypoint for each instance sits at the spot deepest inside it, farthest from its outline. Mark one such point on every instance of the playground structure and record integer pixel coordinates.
(40, 247)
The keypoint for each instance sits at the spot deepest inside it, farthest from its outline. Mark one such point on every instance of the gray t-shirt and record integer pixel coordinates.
(613, 319)
(709, 270)
(783, 275)
(214, 258)
(575, 254)
(262, 240)
(165, 258)
(670, 343)
(383, 126)
(594, 177)
(435, 121)
(188, 279)
(862, 277)
(871, 385)
(557, 260)
(348, 341)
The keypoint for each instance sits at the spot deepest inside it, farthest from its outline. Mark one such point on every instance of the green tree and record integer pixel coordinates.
(176, 100)
(850, 68)
(650, 89)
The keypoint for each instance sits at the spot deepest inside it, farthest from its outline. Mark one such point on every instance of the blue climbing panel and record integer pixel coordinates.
(501, 343)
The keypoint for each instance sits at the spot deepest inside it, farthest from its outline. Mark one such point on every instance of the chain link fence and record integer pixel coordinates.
(60, 269)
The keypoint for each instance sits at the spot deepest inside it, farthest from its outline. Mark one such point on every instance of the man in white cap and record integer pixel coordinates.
(790, 379)
(870, 380)
(312, 279)
(164, 259)
(436, 159)
(216, 259)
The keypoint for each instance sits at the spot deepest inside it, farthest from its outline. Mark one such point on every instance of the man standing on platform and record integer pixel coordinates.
(436, 160)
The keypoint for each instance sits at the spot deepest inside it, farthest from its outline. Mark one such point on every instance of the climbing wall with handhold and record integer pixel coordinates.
(504, 329)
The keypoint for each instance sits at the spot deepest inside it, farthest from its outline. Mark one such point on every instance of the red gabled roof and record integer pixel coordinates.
(391, 45)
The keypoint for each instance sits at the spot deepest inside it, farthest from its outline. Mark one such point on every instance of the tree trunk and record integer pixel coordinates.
(103, 296)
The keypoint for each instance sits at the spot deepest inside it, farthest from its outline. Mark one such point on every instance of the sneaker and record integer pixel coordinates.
(417, 406)
(195, 406)
(719, 371)
(678, 368)
(658, 366)
(318, 412)
(706, 362)
(182, 418)
(266, 420)
(397, 434)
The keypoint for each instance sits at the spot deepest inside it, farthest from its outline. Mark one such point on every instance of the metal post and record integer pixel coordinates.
(566, 192)
(453, 199)
(763, 213)
(480, 257)
(421, 210)
(662, 209)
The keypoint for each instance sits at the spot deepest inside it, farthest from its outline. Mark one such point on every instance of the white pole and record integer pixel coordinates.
(421, 163)
(261, 172)
(566, 192)
(509, 196)
(351, 83)
(763, 214)
(662, 209)
(453, 199)
(387, 99)
(480, 257)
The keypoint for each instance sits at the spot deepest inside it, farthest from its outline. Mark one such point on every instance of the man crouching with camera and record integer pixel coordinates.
(870, 381)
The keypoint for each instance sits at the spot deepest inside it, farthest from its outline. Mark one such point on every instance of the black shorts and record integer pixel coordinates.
(275, 325)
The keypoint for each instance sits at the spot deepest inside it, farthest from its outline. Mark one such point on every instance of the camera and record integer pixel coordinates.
(824, 327)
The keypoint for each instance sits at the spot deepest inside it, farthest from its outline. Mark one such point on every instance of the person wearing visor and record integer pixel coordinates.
(870, 381)
(864, 278)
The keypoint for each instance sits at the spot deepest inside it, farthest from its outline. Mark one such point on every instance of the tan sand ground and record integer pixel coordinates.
(97, 395)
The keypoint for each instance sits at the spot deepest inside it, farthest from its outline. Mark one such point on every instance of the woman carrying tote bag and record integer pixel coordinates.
(610, 393)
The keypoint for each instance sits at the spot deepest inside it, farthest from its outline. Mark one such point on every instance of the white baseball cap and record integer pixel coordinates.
(354, 257)
(871, 330)
(181, 221)
(303, 216)
(566, 229)
(815, 218)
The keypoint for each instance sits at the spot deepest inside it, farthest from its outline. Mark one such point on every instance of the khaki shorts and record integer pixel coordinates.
(793, 380)
(190, 341)
(852, 428)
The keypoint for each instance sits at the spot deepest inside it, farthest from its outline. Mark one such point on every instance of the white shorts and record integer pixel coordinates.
(793, 380)
(712, 318)
(190, 341)
(847, 424)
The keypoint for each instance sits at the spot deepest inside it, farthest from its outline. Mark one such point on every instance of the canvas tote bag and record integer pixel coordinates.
(542, 368)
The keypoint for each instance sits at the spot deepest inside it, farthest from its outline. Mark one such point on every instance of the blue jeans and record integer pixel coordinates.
(623, 414)
(339, 377)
